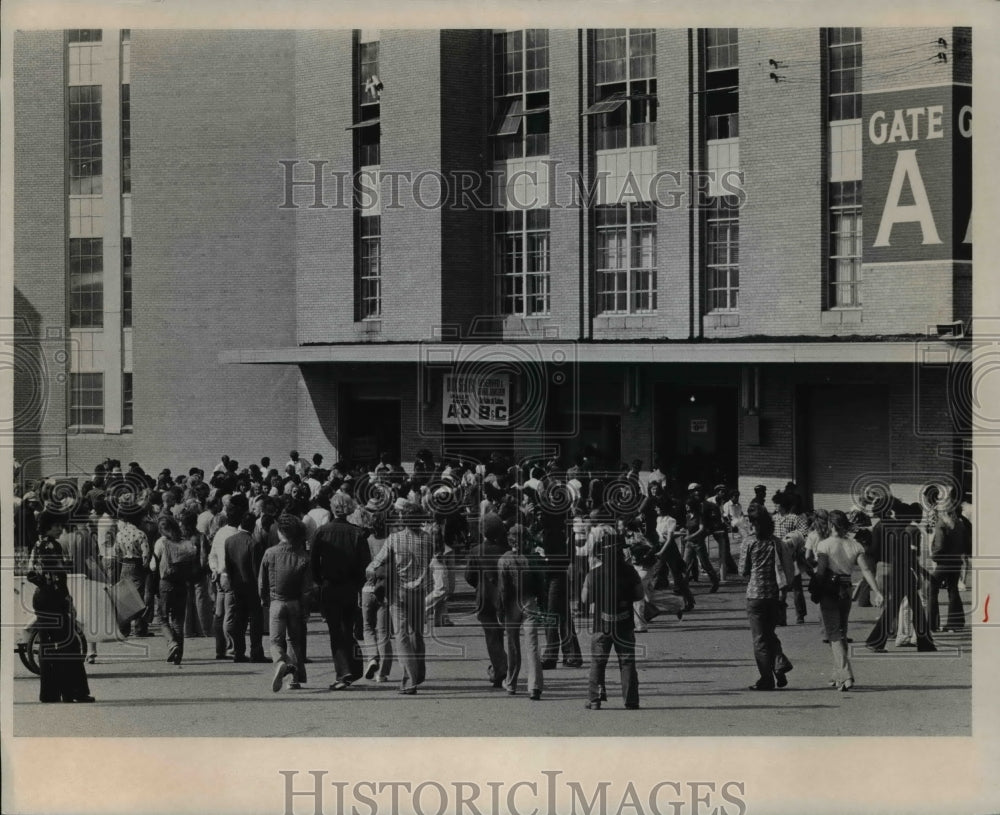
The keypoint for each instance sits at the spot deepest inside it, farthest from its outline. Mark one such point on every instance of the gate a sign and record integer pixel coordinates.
(918, 175)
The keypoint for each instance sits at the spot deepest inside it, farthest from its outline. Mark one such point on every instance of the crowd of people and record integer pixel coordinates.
(248, 553)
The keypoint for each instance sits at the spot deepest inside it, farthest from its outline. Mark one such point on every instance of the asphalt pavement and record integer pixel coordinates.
(693, 681)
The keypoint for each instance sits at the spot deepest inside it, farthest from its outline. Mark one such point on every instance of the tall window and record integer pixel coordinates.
(127, 401)
(845, 244)
(722, 254)
(845, 73)
(844, 275)
(521, 93)
(126, 140)
(521, 239)
(368, 125)
(85, 140)
(624, 88)
(722, 75)
(126, 282)
(626, 258)
(86, 283)
(86, 401)
(370, 267)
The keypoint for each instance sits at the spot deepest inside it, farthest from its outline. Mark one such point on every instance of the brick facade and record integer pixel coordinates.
(220, 265)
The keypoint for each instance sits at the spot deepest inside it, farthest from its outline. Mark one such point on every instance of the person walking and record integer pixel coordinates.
(836, 557)
(200, 596)
(482, 575)
(339, 557)
(132, 552)
(60, 657)
(226, 523)
(376, 624)
(284, 580)
(407, 552)
(948, 544)
(612, 587)
(242, 598)
(761, 562)
(176, 561)
(522, 597)
(694, 535)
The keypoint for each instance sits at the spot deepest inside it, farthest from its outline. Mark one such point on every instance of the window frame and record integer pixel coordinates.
(127, 314)
(521, 126)
(529, 287)
(722, 214)
(630, 88)
(839, 101)
(721, 85)
(77, 408)
(369, 306)
(128, 402)
(853, 261)
(86, 140)
(87, 266)
(631, 273)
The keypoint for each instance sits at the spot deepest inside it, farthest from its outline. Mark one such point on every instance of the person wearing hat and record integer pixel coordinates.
(339, 558)
(407, 555)
(612, 587)
(759, 496)
(482, 574)
(522, 597)
(283, 581)
(63, 676)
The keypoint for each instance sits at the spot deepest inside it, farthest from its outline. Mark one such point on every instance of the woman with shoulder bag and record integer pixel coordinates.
(836, 557)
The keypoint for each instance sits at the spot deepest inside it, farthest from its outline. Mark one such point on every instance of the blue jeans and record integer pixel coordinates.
(407, 614)
(174, 597)
(622, 638)
(767, 653)
(287, 627)
(378, 630)
(835, 608)
(243, 608)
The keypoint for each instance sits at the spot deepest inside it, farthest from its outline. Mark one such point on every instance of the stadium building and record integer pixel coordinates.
(634, 243)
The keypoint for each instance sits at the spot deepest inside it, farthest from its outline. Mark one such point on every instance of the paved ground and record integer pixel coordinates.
(693, 682)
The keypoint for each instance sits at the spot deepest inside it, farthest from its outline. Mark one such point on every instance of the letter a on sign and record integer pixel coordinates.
(907, 170)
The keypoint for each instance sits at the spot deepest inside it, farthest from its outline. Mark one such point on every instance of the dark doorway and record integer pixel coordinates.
(371, 427)
(696, 432)
(598, 436)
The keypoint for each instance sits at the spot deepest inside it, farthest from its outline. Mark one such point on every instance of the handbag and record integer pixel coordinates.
(125, 599)
(821, 584)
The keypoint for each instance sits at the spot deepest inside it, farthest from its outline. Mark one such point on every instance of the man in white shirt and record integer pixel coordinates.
(296, 463)
(236, 508)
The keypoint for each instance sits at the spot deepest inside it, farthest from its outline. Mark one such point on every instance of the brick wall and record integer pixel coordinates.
(213, 255)
(40, 389)
(410, 62)
(564, 152)
(324, 236)
(781, 144)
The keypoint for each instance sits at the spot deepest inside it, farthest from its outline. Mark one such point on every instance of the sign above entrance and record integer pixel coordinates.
(476, 400)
